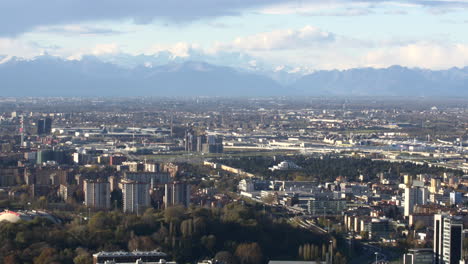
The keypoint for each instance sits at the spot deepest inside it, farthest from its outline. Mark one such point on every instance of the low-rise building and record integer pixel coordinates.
(324, 206)
(419, 256)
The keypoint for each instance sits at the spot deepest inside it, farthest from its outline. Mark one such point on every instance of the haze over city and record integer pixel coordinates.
(265, 45)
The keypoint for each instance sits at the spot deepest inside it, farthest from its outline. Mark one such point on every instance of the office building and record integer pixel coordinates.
(44, 126)
(380, 228)
(177, 193)
(97, 194)
(448, 242)
(419, 256)
(136, 196)
(455, 198)
(320, 206)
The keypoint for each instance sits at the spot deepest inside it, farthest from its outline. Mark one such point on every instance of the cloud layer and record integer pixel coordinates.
(307, 47)
(307, 36)
(19, 16)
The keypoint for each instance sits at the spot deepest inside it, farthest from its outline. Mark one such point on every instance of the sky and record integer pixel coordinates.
(312, 34)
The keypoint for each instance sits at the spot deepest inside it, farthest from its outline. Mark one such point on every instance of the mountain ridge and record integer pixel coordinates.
(53, 76)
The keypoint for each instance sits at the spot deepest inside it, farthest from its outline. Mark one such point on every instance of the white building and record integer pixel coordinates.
(136, 196)
(414, 196)
(246, 186)
(96, 194)
(285, 165)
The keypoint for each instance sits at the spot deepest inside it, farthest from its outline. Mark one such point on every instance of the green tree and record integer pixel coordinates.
(11, 259)
(225, 257)
(174, 214)
(83, 259)
(268, 199)
(186, 227)
(209, 242)
(249, 253)
(47, 256)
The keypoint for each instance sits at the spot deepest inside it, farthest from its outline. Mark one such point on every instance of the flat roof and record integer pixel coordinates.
(154, 253)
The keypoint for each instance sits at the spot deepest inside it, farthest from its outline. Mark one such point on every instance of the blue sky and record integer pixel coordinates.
(308, 34)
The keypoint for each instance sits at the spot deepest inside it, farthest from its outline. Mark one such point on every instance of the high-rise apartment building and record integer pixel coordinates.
(177, 193)
(153, 178)
(97, 194)
(414, 196)
(136, 196)
(203, 143)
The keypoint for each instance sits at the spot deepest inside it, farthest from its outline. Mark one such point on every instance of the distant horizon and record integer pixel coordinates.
(226, 48)
(93, 77)
(306, 34)
(115, 61)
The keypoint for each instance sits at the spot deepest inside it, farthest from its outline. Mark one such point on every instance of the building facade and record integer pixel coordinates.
(136, 196)
(97, 194)
(177, 193)
(448, 242)
(419, 256)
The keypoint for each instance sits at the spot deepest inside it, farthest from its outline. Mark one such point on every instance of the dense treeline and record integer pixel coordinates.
(237, 233)
(328, 167)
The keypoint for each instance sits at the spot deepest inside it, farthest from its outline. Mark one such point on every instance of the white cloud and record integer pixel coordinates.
(19, 48)
(306, 47)
(421, 54)
(16, 19)
(100, 49)
(311, 47)
(320, 8)
(179, 49)
(361, 7)
(76, 29)
(280, 40)
(96, 50)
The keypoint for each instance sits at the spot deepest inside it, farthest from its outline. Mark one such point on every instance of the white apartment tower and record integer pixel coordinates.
(414, 196)
(97, 194)
(136, 196)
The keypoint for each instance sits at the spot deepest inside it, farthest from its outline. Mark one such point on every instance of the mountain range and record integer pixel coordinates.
(126, 76)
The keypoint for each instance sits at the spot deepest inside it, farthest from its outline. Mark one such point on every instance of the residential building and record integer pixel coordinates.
(136, 196)
(177, 193)
(97, 194)
(414, 196)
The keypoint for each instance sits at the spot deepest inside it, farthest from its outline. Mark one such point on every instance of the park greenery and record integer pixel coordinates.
(328, 167)
(238, 233)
